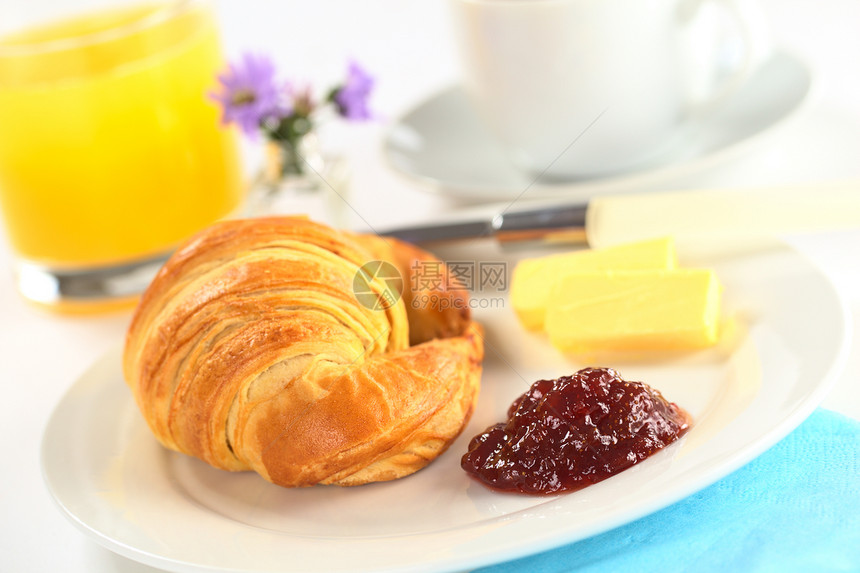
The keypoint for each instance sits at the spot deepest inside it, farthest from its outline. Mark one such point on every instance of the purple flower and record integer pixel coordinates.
(250, 94)
(351, 98)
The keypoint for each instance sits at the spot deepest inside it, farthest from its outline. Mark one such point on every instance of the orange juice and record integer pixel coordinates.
(110, 149)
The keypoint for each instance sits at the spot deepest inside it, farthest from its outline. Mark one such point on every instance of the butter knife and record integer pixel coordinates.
(711, 215)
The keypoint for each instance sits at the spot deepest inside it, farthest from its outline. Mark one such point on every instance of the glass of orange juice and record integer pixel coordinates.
(111, 151)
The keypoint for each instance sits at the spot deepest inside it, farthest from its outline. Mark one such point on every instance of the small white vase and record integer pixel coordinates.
(301, 180)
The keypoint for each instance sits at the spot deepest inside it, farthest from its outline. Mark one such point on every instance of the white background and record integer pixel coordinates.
(409, 47)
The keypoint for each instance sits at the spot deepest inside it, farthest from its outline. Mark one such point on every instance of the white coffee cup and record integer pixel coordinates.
(584, 88)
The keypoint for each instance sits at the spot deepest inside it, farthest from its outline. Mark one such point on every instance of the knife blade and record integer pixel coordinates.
(534, 224)
(711, 215)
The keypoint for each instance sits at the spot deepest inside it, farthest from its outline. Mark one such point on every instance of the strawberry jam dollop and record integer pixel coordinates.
(568, 433)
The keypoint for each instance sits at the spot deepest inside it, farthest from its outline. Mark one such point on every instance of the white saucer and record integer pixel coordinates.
(443, 144)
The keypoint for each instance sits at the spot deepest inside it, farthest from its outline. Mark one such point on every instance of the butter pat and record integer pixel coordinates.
(533, 279)
(635, 310)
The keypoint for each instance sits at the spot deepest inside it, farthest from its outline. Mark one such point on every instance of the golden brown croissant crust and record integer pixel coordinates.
(250, 350)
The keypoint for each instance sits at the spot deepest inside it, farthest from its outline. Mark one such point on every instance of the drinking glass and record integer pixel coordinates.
(111, 151)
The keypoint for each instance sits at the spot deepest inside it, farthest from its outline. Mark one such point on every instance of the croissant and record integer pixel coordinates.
(251, 350)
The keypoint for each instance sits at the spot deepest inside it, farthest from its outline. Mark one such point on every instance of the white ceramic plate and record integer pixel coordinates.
(443, 144)
(114, 481)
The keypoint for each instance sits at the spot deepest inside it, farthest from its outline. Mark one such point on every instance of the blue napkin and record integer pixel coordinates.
(794, 508)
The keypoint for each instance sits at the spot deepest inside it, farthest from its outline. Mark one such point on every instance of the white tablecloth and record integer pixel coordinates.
(409, 47)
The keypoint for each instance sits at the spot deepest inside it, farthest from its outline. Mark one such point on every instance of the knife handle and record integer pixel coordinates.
(560, 224)
(723, 217)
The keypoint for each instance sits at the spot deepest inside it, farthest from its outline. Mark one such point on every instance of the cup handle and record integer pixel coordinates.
(750, 30)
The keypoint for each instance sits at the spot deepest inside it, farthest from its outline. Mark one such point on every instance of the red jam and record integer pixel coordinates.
(566, 434)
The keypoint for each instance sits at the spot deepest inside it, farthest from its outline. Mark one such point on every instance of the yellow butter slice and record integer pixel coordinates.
(533, 279)
(675, 309)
